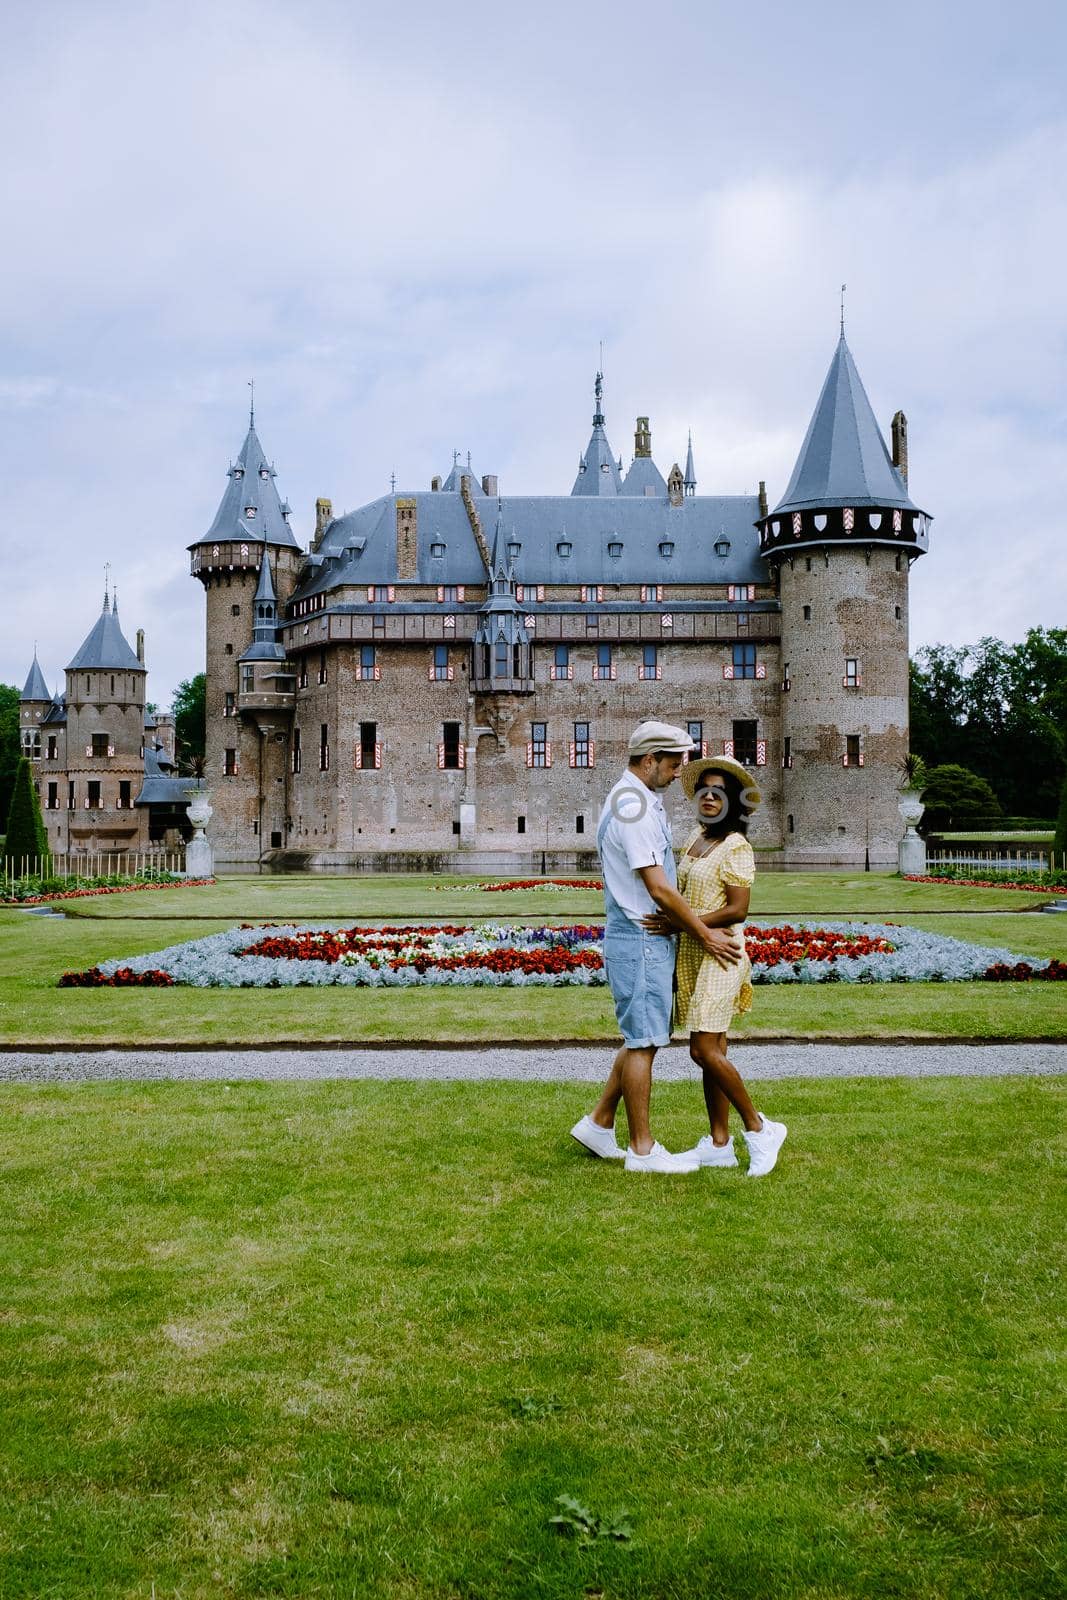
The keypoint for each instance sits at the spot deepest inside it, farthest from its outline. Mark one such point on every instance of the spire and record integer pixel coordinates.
(106, 646)
(264, 646)
(843, 460)
(251, 508)
(36, 689)
(597, 472)
(690, 479)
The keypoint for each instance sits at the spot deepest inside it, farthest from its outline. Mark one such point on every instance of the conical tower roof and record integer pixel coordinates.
(106, 646)
(36, 688)
(843, 460)
(690, 479)
(251, 507)
(597, 471)
(265, 646)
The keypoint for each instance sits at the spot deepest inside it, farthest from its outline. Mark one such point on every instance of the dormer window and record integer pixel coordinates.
(264, 473)
(250, 512)
(615, 548)
(605, 466)
(666, 548)
(238, 472)
(514, 547)
(437, 549)
(563, 548)
(722, 548)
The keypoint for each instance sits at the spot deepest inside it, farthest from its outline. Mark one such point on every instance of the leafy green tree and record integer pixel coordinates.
(955, 796)
(1059, 843)
(10, 749)
(25, 836)
(190, 723)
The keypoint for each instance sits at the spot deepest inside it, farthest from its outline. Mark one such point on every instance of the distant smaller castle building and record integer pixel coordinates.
(103, 765)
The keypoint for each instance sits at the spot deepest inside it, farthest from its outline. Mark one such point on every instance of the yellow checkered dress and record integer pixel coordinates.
(707, 997)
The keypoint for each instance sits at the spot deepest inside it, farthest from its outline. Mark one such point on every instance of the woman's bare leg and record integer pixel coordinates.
(708, 1050)
(717, 1104)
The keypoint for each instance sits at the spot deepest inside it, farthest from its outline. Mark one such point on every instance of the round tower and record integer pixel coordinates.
(247, 762)
(842, 541)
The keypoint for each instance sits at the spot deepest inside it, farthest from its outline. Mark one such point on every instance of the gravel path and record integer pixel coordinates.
(547, 1064)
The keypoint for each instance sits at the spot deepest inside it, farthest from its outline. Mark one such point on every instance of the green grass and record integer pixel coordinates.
(34, 951)
(268, 1340)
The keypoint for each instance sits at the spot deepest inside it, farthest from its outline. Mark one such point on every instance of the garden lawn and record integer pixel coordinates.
(323, 1340)
(34, 951)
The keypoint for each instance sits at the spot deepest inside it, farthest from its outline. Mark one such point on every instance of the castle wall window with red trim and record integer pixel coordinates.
(539, 749)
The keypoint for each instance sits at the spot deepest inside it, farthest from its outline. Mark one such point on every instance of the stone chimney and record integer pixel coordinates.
(642, 438)
(435, 482)
(140, 645)
(323, 518)
(489, 483)
(406, 538)
(763, 506)
(900, 445)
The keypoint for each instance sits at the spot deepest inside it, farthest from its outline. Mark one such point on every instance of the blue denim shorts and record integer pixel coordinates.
(640, 969)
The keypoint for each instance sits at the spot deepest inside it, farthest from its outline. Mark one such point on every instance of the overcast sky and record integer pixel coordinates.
(414, 224)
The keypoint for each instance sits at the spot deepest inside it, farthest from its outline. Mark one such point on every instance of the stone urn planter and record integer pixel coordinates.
(911, 851)
(199, 856)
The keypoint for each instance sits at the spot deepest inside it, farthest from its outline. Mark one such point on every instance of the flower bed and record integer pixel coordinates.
(1032, 887)
(498, 955)
(106, 888)
(553, 885)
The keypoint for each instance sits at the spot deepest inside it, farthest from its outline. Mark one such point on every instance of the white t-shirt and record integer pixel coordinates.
(641, 840)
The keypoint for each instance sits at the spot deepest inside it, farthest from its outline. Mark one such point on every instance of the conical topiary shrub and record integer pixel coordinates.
(26, 841)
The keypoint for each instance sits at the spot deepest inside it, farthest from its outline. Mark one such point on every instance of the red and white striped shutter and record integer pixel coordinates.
(451, 672)
(592, 752)
(359, 756)
(861, 758)
(574, 753)
(600, 591)
(440, 591)
(450, 621)
(761, 669)
(611, 670)
(667, 620)
(377, 755)
(728, 670)
(540, 591)
(761, 752)
(431, 672)
(529, 752)
(441, 756)
(529, 623)
(752, 591)
(461, 591)
(462, 756)
(370, 592)
(548, 752)
(659, 591)
(88, 749)
(703, 747)
(728, 747)
(520, 593)
(390, 593)
(659, 670)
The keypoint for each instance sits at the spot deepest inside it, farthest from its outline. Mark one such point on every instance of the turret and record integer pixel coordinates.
(598, 472)
(501, 657)
(34, 704)
(104, 734)
(248, 544)
(841, 542)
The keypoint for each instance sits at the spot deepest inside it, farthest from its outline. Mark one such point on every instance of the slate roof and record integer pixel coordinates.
(360, 547)
(57, 711)
(161, 787)
(251, 487)
(36, 688)
(599, 473)
(642, 476)
(843, 460)
(265, 646)
(106, 646)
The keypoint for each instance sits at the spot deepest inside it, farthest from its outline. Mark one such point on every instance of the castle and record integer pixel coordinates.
(450, 676)
(103, 764)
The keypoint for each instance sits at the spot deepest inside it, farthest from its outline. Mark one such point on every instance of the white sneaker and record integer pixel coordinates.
(660, 1160)
(763, 1147)
(597, 1140)
(710, 1154)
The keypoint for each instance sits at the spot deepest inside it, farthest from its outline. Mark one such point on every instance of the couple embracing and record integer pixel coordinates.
(674, 951)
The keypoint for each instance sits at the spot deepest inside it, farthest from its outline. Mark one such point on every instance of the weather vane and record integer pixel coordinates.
(252, 403)
(843, 288)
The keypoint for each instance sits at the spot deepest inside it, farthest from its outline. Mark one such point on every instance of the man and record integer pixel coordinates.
(637, 860)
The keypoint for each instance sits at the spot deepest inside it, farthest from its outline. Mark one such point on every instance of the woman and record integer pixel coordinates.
(715, 873)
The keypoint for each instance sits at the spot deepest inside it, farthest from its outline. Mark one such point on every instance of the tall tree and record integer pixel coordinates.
(190, 723)
(10, 748)
(953, 796)
(25, 838)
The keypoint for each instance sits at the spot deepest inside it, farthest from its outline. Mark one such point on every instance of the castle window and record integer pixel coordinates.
(53, 752)
(250, 513)
(744, 661)
(377, 623)
(92, 793)
(787, 752)
(437, 549)
(744, 744)
(264, 472)
(666, 548)
(614, 551)
(99, 747)
(807, 563)
(296, 753)
(538, 751)
(235, 611)
(897, 612)
(71, 802)
(380, 593)
(561, 667)
(324, 747)
(649, 668)
(323, 670)
(722, 548)
(229, 763)
(229, 708)
(248, 679)
(450, 749)
(897, 562)
(513, 548)
(852, 678)
(368, 667)
(742, 621)
(520, 824)
(229, 649)
(807, 613)
(582, 746)
(605, 666)
(450, 593)
(853, 756)
(786, 679)
(238, 472)
(52, 802)
(125, 795)
(651, 591)
(302, 679)
(695, 730)
(741, 591)
(368, 748)
(789, 822)
(440, 672)
(112, 685)
(591, 592)
(500, 659)
(563, 548)
(579, 824)
(592, 622)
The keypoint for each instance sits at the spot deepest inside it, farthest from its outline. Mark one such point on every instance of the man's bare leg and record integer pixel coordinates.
(708, 1050)
(630, 1080)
